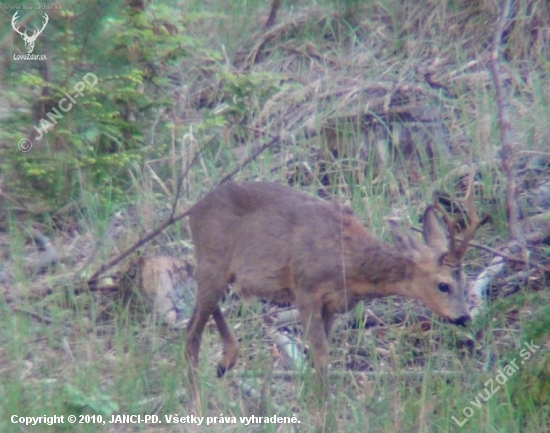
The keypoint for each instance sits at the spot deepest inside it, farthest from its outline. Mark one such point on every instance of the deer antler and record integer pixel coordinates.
(29, 39)
(13, 20)
(46, 19)
(473, 220)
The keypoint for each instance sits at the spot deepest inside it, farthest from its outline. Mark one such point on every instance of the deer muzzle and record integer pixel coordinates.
(461, 321)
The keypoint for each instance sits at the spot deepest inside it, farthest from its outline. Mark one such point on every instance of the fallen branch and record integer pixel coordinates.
(406, 374)
(480, 287)
(48, 255)
(288, 349)
(142, 241)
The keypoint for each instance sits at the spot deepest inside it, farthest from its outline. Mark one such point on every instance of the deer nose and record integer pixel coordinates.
(462, 320)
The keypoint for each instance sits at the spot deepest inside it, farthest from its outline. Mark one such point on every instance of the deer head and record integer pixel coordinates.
(29, 40)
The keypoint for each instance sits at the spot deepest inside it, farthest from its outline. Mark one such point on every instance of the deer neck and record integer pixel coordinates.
(385, 271)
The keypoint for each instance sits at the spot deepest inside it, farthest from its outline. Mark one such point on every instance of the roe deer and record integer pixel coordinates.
(276, 243)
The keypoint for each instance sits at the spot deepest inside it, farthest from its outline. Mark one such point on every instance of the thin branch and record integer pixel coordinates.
(184, 174)
(248, 160)
(275, 4)
(511, 258)
(173, 219)
(144, 239)
(500, 253)
(507, 153)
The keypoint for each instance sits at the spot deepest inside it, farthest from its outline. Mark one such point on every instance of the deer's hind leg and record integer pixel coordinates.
(230, 344)
(210, 289)
(204, 308)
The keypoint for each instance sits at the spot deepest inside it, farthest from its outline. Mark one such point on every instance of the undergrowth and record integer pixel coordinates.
(380, 104)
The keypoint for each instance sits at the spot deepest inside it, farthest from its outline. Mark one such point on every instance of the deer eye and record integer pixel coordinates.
(444, 288)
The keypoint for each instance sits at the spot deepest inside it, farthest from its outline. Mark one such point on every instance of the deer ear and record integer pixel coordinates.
(404, 240)
(434, 232)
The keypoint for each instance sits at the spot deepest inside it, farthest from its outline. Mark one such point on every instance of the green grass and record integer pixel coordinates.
(67, 350)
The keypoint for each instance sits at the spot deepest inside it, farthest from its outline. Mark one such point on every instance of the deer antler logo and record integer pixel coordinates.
(29, 40)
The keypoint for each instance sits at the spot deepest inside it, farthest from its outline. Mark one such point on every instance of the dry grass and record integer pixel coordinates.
(380, 104)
